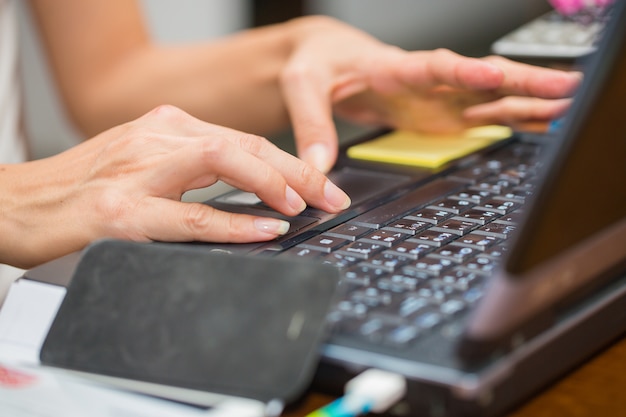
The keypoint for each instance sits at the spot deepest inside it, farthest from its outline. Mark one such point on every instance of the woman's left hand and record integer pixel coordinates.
(337, 69)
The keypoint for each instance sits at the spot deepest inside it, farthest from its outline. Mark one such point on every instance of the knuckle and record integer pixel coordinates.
(116, 210)
(166, 111)
(494, 59)
(235, 229)
(254, 144)
(508, 104)
(443, 53)
(296, 72)
(205, 223)
(197, 219)
(214, 149)
(307, 173)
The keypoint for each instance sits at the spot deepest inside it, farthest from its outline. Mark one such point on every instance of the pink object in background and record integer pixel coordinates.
(568, 7)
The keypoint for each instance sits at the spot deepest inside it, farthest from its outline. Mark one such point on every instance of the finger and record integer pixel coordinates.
(173, 221)
(229, 161)
(534, 81)
(444, 67)
(248, 162)
(512, 110)
(424, 70)
(307, 96)
(307, 181)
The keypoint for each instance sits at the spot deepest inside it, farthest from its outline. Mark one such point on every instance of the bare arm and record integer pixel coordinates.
(109, 70)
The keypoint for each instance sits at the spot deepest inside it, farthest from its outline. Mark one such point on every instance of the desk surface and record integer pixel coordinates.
(596, 388)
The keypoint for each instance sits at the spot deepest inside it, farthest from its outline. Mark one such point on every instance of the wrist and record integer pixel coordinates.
(34, 224)
(299, 28)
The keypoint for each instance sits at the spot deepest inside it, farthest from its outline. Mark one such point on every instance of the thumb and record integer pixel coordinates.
(170, 220)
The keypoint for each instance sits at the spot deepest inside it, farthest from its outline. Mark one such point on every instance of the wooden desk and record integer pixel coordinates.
(595, 389)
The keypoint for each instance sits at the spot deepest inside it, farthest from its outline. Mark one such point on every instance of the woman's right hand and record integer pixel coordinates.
(128, 182)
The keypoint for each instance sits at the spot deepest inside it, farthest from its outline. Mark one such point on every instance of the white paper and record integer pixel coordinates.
(44, 392)
(26, 317)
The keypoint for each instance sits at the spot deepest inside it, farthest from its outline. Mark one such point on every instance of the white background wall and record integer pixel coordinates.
(169, 20)
(467, 26)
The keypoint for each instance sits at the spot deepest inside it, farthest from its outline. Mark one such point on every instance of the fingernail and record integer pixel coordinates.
(318, 156)
(295, 201)
(336, 197)
(271, 226)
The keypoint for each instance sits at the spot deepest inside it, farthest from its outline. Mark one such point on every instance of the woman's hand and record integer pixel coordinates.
(337, 69)
(128, 181)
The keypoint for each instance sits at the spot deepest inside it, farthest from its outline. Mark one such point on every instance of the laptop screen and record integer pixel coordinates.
(574, 234)
(585, 187)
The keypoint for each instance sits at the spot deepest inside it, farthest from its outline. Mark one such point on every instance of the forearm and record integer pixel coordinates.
(231, 82)
(108, 70)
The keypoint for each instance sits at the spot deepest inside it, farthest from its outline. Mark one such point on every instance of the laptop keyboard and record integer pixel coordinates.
(420, 261)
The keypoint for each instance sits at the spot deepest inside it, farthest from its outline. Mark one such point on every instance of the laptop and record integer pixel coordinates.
(485, 279)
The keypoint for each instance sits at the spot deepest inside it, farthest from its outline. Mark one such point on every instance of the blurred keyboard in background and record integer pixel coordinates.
(568, 32)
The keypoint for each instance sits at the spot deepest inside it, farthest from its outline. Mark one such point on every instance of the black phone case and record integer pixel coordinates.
(176, 315)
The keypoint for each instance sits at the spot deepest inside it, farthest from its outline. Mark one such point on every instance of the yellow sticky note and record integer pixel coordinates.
(430, 151)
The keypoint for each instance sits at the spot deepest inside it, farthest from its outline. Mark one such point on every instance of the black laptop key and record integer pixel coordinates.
(301, 253)
(453, 306)
(384, 237)
(398, 283)
(349, 231)
(380, 216)
(402, 335)
(366, 274)
(482, 264)
(517, 174)
(524, 190)
(408, 226)
(519, 194)
(476, 241)
(413, 248)
(456, 253)
(476, 196)
(494, 185)
(430, 265)
(430, 215)
(429, 320)
(472, 175)
(388, 331)
(498, 205)
(324, 243)
(455, 226)
(462, 278)
(497, 252)
(453, 205)
(362, 249)
(348, 309)
(434, 237)
(371, 297)
(499, 229)
(389, 260)
(512, 218)
(340, 260)
(415, 305)
(478, 216)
